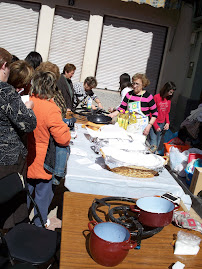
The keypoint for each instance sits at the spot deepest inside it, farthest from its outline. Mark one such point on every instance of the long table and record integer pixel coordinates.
(156, 252)
(83, 177)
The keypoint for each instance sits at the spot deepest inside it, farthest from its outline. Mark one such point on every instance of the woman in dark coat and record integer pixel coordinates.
(16, 119)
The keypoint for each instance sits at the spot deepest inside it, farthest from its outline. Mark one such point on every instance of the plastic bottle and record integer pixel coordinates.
(132, 123)
(132, 119)
(120, 118)
(89, 103)
(126, 118)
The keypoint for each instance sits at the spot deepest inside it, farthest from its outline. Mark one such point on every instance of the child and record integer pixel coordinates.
(163, 103)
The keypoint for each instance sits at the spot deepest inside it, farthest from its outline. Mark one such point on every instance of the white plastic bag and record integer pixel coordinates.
(178, 161)
(187, 244)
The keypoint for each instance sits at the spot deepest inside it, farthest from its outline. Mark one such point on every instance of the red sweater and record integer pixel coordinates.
(163, 107)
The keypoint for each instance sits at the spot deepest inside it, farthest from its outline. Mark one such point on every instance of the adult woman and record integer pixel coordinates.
(144, 100)
(16, 119)
(65, 84)
(34, 59)
(84, 90)
(125, 86)
(14, 58)
(57, 156)
(20, 76)
(163, 103)
(49, 121)
(58, 98)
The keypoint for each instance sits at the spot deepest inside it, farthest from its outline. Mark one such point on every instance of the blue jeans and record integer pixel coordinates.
(61, 158)
(155, 137)
(43, 197)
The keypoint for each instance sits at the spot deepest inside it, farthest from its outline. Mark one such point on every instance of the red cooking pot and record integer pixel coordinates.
(109, 243)
(154, 211)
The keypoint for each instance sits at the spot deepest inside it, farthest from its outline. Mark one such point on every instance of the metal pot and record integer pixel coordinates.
(154, 211)
(99, 118)
(109, 243)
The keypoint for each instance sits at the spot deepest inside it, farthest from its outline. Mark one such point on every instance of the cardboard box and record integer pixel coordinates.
(196, 183)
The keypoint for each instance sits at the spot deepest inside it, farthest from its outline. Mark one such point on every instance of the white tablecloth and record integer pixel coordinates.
(83, 178)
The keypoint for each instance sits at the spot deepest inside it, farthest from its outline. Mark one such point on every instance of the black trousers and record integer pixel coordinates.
(14, 211)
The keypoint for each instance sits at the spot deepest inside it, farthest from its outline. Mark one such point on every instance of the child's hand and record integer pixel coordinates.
(166, 127)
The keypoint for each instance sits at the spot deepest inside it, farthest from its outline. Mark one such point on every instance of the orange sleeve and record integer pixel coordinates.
(58, 129)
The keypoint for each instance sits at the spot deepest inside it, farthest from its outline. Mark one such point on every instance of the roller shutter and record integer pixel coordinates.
(69, 38)
(129, 47)
(19, 22)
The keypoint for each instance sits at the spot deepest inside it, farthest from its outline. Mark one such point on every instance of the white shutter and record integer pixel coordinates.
(19, 22)
(69, 38)
(129, 47)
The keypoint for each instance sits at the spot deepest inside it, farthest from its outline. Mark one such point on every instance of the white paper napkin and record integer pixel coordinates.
(79, 152)
(25, 98)
(84, 161)
(178, 265)
(110, 131)
(95, 166)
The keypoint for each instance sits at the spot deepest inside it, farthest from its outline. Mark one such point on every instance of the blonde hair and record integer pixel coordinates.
(145, 80)
(48, 66)
(43, 85)
(20, 74)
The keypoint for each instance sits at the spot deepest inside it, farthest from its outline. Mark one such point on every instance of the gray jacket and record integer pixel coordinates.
(15, 121)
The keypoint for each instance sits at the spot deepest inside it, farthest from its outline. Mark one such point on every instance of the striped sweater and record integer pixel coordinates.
(148, 106)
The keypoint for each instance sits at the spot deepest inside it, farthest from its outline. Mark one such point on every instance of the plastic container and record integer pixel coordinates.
(177, 143)
(126, 118)
(131, 128)
(194, 156)
(120, 118)
(188, 177)
(132, 119)
(189, 170)
(89, 103)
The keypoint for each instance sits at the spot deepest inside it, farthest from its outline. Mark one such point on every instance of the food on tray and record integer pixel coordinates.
(88, 123)
(134, 171)
(111, 132)
(92, 126)
(116, 157)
